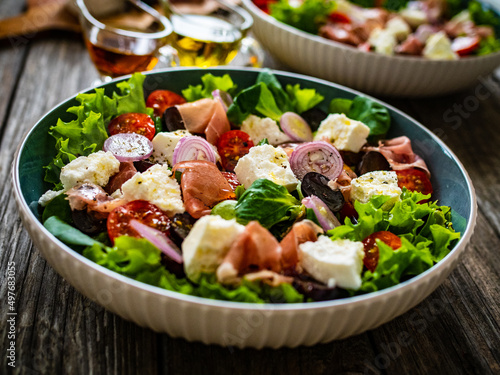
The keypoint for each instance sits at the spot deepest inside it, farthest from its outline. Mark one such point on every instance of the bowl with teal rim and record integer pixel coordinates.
(233, 323)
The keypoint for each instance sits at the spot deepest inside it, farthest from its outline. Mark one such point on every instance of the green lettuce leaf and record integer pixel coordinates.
(268, 203)
(481, 15)
(68, 234)
(257, 99)
(340, 105)
(424, 228)
(309, 16)
(209, 84)
(303, 99)
(370, 113)
(488, 45)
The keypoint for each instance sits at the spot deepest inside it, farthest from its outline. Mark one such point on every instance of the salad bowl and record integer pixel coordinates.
(369, 72)
(234, 323)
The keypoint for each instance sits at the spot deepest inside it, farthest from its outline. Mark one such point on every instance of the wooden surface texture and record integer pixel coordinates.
(454, 331)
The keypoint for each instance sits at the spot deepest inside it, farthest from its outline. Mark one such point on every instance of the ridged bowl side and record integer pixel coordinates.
(369, 72)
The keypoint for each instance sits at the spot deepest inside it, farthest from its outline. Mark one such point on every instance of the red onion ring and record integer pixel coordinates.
(325, 216)
(193, 148)
(129, 146)
(319, 156)
(224, 98)
(295, 127)
(158, 239)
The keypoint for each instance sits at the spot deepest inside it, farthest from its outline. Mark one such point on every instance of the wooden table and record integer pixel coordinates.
(454, 331)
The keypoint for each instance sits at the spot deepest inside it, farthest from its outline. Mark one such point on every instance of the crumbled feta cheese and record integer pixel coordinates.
(266, 161)
(414, 17)
(206, 245)
(157, 186)
(383, 41)
(164, 144)
(96, 168)
(438, 47)
(259, 128)
(346, 134)
(398, 27)
(48, 196)
(376, 183)
(335, 263)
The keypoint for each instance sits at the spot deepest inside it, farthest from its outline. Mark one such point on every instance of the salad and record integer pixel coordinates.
(257, 194)
(433, 29)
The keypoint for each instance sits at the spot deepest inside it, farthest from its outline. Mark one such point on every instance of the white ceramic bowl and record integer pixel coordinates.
(366, 71)
(232, 323)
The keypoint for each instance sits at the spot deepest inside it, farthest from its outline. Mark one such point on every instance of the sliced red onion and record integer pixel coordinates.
(129, 146)
(193, 148)
(223, 97)
(325, 217)
(295, 127)
(319, 156)
(159, 239)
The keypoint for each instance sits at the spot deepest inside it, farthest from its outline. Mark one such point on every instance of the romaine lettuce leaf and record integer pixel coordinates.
(308, 16)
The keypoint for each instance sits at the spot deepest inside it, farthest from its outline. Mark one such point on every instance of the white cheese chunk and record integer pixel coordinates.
(48, 196)
(376, 183)
(383, 41)
(164, 144)
(438, 47)
(268, 162)
(398, 27)
(346, 134)
(259, 128)
(335, 263)
(157, 186)
(414, 17)
(206, 245)
(96, 168)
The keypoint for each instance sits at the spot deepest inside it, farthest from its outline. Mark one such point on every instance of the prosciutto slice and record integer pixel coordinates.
(93, 198)
(203, 186)
(301, 232)
(205, 116)
(399, 154)
(255, 249)
(126, 172)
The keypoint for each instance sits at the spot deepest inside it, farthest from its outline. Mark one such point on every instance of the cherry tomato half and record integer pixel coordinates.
(232, 179)
(371, 249)
(339, 17)
(139, 123)
(160, 100)
(414, 180)
(233, 145)
(147, 213)
(465, 45)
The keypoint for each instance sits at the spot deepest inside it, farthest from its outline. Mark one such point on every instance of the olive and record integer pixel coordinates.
(87, 222)
(180, 226)
(176, 268)
(313, 117)
(316, 184)
(373, 161)
(351, 158)
(172, 119)
(316, 291)
(142, 165)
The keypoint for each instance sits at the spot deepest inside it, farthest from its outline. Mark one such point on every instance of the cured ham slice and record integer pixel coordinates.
(126, 172)
(399, 154)
(93, 198)
(218, 124)
(253, 250)
(301, 232)
(203, 186)
(196, 115)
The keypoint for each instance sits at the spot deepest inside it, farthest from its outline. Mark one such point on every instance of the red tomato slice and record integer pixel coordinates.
(233, 145)
(160, 100)
(465, 45)
(339, 17)
(371, 249)
(232, 179)
(414, 180)
(147, 213)
(139, 123)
